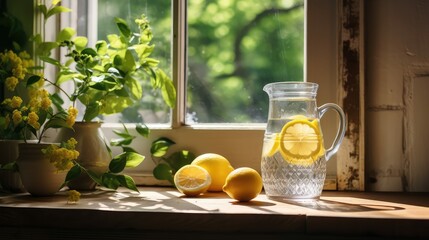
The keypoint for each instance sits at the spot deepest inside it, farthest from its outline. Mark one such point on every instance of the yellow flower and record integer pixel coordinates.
(19, 72)
(34, 104)
(73, 196)
(62, 157)
(24, 55)
(7, 101)
(16, 117)
(71, 143)
(46, 103)
(71, 117)
(11, 83)
(43, 93)
(16, 102)
(33, 119)
(73, 111)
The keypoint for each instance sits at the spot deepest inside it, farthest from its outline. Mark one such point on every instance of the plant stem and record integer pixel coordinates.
(62, 90)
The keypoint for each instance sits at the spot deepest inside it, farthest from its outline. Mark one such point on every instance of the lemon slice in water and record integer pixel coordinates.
(271, 146)
(301, 141)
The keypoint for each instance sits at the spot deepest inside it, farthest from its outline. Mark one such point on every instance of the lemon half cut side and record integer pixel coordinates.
(301, 141)
(192, 180)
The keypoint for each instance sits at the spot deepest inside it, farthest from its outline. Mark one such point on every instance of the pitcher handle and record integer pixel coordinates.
(341, 127)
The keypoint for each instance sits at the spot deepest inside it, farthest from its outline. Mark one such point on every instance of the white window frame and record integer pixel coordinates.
(242, 143)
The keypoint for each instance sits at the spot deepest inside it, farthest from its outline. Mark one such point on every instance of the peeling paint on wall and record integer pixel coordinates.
(350, 175)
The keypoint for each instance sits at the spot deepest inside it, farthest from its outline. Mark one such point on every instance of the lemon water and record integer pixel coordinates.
(293, 164)
(284, 179)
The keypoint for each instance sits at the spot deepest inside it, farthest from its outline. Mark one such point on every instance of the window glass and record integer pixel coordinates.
(235, 47)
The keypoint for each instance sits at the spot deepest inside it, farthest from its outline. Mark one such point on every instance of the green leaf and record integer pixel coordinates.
(160, 146)
(33, 79)
(80, 43)
(115, 104)
(167, 89)
(115, 41)
(73, 173)
(64, 77)
(142, 129)
(121, 93)
(127, 181)
(123, 27)
(57, 100)
(92, 111)
(123, 134)
(43, 9)
(128, 63)
(134, 87)
(102, 83)
(143, 51)
(101, 47)
(121, 141)
(110, 181)
(89, 51)
(134, 159)
(94, 176)
(179, 159)
(11, 166)
(125, 159)
(43, 115)
(56, 10)
(36, 39)
(50, 60)
(117, 61)
(128, 149)
(57, 123)
(44, 48)
(163, 172)
(118, 163)
(66, 34)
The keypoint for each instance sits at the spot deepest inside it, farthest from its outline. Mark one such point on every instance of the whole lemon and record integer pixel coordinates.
(218, 168)
(243, 184)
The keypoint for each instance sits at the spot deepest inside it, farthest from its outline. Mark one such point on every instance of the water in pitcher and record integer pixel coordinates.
(293, 174)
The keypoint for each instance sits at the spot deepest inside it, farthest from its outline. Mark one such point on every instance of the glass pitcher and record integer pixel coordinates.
(294, 158)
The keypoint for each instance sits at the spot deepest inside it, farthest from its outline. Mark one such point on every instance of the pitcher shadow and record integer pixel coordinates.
(335, 206)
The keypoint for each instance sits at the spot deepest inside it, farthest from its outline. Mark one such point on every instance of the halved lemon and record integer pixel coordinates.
(192, 180)
(301, 141)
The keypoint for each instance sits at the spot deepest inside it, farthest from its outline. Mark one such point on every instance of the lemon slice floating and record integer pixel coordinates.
(192, 180)
(301, 141)
(271, 146)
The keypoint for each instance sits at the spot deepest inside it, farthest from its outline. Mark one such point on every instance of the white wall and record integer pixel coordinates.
(397, 88)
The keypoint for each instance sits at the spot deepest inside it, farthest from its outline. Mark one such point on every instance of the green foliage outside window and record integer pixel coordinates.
(235, 47)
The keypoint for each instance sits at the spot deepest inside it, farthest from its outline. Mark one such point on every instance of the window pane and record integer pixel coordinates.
(152, 108)
(235, 47)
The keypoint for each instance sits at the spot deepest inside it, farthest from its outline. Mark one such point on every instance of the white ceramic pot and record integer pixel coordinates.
(38, 175)
(93, 152)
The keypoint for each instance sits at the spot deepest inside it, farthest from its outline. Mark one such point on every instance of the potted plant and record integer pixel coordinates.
(106, 79)
(46, 167)
(29, 114)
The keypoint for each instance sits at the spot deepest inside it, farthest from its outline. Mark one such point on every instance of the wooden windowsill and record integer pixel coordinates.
(162, 210)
